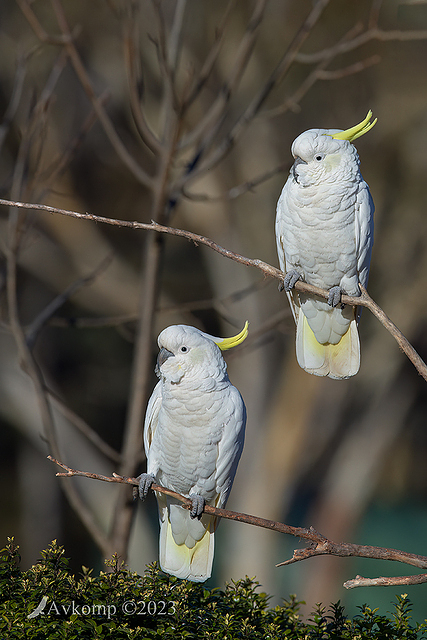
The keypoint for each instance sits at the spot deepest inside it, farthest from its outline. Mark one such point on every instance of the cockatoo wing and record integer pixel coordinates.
(281, 252)
(364, 232)
(152, 417)
(230, 446)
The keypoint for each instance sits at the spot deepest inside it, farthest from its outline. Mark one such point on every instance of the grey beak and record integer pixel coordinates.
(164, 354)
(298, 161)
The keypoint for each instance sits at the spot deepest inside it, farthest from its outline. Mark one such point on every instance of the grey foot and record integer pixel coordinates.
(290, 279)
(334, 297)
(145, 482)
(197, 505)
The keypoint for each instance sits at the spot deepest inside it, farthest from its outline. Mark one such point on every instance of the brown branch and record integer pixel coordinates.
(104, 119)
(318, 544)
(238, 190)
(355, 43)
(45, 315)
(276, 77)
(39, 31)
(82, 426)
(209, 125)
(359, 581)
(135, 83)
(207, 68)
(364, 300)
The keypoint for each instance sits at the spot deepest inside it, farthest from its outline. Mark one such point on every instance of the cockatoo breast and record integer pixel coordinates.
(190, 426)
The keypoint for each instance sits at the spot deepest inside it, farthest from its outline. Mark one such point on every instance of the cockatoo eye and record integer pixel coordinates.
(184, 349)
(319, 157)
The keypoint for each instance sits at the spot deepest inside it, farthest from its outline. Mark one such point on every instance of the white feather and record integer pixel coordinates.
(193, 438)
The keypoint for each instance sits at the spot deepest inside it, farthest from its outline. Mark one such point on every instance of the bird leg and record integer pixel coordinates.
(290, 279)
(197, 505)
(145, 482)
(334, 296)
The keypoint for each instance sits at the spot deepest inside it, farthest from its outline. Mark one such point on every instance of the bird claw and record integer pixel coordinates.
(197, 505)
(290, 279)
(334, 296)
(145, 482)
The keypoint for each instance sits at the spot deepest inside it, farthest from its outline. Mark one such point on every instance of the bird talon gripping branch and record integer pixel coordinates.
(290, 279)
(334, 297)
(324, 232)
(145, 482)
(197, 505)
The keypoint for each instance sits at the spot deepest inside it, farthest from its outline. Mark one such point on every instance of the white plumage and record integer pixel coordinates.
(324, 234)
(193, 438)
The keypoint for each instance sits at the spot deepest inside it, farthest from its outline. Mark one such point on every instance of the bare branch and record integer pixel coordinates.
(238, 190)
(84, 79)
(208, 66)
(358, 581)
(320, 73)
(254, 106)
(319, 544)
(18, 85)
(45, 315)
(83, 427)
(39, 31)
(210, 123)
(358, 41)
(60, 163)
(135, 83)
(364, 300)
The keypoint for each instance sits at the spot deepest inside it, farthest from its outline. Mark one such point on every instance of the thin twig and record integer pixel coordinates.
(83, 427)
(45, 315)
(15, 99)
(104, 119)
(238, 190)
(136, 84)
(358, 41)
(39, 31)
(247, 117)
(207, 68)
(364, 300)
(319, 544)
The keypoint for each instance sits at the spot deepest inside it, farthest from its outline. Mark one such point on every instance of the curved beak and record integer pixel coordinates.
(298, 161)
(164, 354)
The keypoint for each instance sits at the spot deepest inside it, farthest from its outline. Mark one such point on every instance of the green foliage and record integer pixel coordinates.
(122, 605)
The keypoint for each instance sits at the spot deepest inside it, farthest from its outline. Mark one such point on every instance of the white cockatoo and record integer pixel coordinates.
(193, 438)
(324, 234)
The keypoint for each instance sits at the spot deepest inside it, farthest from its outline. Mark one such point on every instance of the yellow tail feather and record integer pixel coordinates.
(188, 563)
(341, 360)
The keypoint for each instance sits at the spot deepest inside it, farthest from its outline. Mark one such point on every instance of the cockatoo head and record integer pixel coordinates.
(327, 155)
(188, 352)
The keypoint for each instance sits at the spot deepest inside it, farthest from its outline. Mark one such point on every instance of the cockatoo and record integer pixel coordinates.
(324, 234)
(193, 438)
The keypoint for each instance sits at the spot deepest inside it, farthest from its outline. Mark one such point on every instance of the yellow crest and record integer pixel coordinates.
(229, 343)
(356, 131)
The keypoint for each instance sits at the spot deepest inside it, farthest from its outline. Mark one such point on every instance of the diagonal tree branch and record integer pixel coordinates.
(364, 300)
(318, 544)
